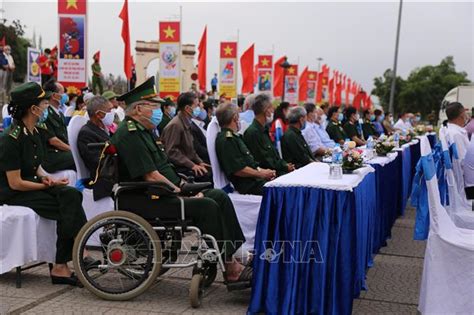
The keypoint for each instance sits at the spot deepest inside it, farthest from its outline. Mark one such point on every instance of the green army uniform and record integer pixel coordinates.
(139, 154)
(295, 149)
(351, 130)
(56, 160)
(233, 156)
(368, 129)
(335, 131)
(164, 121)
(258, 141)
(96, 80)
(24, 151)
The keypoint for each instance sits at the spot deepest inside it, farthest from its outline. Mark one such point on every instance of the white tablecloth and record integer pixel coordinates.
(383, 160)
(316, 175)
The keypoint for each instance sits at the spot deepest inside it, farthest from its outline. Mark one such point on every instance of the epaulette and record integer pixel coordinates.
(42, 126)
(15, 132)
(131, 125)
(229, 134)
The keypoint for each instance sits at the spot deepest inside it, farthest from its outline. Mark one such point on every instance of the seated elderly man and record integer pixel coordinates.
(258, 141)
(143, 159)
(247, 115)
(312, 130)
(320, 126)
(293, 145)
(235, 158)
(58, 156)
(95, 130)
(179, 142)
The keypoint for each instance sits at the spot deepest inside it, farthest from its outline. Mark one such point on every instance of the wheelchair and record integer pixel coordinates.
(133, 251)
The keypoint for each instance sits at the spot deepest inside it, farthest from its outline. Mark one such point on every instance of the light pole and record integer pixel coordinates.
(394, 72)
(285, 65)
(319, 59)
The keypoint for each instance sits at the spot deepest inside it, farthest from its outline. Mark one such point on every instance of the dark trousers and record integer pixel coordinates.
(214, 214)
(62, 204)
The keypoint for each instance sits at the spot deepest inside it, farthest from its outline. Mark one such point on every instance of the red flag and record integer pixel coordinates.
(72, 7)
(303, 84)
(3, 41)
(348, 88)
(359, 100)
(202, 61)
(278, 77)
(368, 102)
(127, 57)
(246, 65)
(331, 90)
(255, 74)
(338, 96)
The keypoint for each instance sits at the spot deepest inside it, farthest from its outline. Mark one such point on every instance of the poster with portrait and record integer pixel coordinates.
(228, 69)
(265, 73)
(170, 65)
(291, 85)
(312, 86)
(34, 72)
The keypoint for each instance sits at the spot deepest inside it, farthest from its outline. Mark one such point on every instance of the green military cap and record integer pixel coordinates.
(144, 92)
(109, 95)
(28, 93)
(168, 102)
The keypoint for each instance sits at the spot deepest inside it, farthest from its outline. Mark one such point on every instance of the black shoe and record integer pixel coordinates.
(90, 263)
(72, 280)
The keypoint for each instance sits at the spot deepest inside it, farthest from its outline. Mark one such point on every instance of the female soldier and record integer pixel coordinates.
(21, 183)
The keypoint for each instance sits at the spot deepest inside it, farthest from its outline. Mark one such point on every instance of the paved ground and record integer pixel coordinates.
(393, 283)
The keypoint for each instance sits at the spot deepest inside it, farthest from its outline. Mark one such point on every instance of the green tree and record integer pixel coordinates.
(14, 37)
(382, 88)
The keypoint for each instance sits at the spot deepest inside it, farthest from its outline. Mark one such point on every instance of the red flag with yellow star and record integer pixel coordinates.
(169, 32)
(246, 66)
(228, 50)
(303, 85)
(228, 69)
(72, 6)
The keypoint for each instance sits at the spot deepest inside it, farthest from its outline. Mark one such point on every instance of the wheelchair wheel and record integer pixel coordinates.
(208, 272)
(196, 290)
(129, 251)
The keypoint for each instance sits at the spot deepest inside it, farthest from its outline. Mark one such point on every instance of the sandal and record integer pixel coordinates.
(244, 281)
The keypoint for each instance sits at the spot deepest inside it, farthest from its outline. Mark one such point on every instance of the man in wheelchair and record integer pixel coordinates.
(142, 159)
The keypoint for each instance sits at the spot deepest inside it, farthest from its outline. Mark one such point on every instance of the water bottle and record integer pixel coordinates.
(346, 144)
(334, 157)
(396, 139)
(335, 169)
(369, 152)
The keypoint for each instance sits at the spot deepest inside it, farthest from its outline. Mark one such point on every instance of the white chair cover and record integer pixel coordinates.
(459, 208)
(25, 237)
(5, 111)
(69, 110)
(75, 125)
(448, 275)
(247, 207)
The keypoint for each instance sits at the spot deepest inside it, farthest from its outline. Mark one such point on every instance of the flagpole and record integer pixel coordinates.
(237, 67)
(181, 47)
(394, 72)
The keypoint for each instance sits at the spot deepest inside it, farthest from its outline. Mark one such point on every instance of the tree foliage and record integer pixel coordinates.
(423, 90)
(14, 37)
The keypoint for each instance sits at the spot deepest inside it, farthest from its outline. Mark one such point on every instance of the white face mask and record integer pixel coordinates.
(108, 120)
(269, 119)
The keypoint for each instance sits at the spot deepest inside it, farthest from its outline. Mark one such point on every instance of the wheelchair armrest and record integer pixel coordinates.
(188, 179)
(191, 189)
(152, 188)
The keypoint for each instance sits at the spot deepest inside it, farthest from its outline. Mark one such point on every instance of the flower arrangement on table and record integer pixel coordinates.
(351, 160)
(404, 139)
(384, 146)
(420, 130)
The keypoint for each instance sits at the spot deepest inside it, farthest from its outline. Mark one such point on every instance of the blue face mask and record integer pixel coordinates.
(372, 117)
(156, 117)
(202, 114)
(64, 99)
(43, 116)
(381, 118)
(173, 111)
(196, 112)
(340, 117)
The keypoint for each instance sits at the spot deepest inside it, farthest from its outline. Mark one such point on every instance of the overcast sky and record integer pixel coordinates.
(357, 38)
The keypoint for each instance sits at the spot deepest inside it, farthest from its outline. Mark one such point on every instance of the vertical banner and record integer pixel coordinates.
(34, 73)
(72, 56)
(265, 73)
(312, 84)
(170, 66)
(291, 85)
(325, 84)
(228, 69)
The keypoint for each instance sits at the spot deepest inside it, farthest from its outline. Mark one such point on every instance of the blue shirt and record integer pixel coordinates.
(378, 127)
(214, 81)
(311, 136)
(324, 136)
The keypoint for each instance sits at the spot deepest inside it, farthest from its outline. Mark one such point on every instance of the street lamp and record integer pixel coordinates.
(319, 59)
(285, 65)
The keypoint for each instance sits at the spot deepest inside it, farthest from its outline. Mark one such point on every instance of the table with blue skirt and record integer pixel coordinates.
(316, 237)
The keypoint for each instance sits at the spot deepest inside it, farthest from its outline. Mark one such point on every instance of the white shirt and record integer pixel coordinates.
(458, 135)
(120, 113)
(468, 165)
(11, 62)
(404, 126)
(311, 136)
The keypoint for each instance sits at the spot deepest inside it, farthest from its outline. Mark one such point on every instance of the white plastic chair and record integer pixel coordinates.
(459, 208)
(247, 207)
(447, 284)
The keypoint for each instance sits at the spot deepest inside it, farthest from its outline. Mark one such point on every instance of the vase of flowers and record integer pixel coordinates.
(351, 160)
(382, 148)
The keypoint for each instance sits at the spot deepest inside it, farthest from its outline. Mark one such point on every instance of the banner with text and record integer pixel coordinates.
(291, 85)
(34, 72)
(72, 55)
(265, 73)
(170, 60)
(228, 69)
(312, 85)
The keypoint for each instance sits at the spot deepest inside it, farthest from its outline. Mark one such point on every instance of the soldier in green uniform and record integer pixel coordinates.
(97, 75)
(143, 159)
(351, 126)
(258, 141)
(169, 111)
(368, 128)
(293, 145)
(22, 184)
(334, 127)
(58, 152)
(235, 158)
